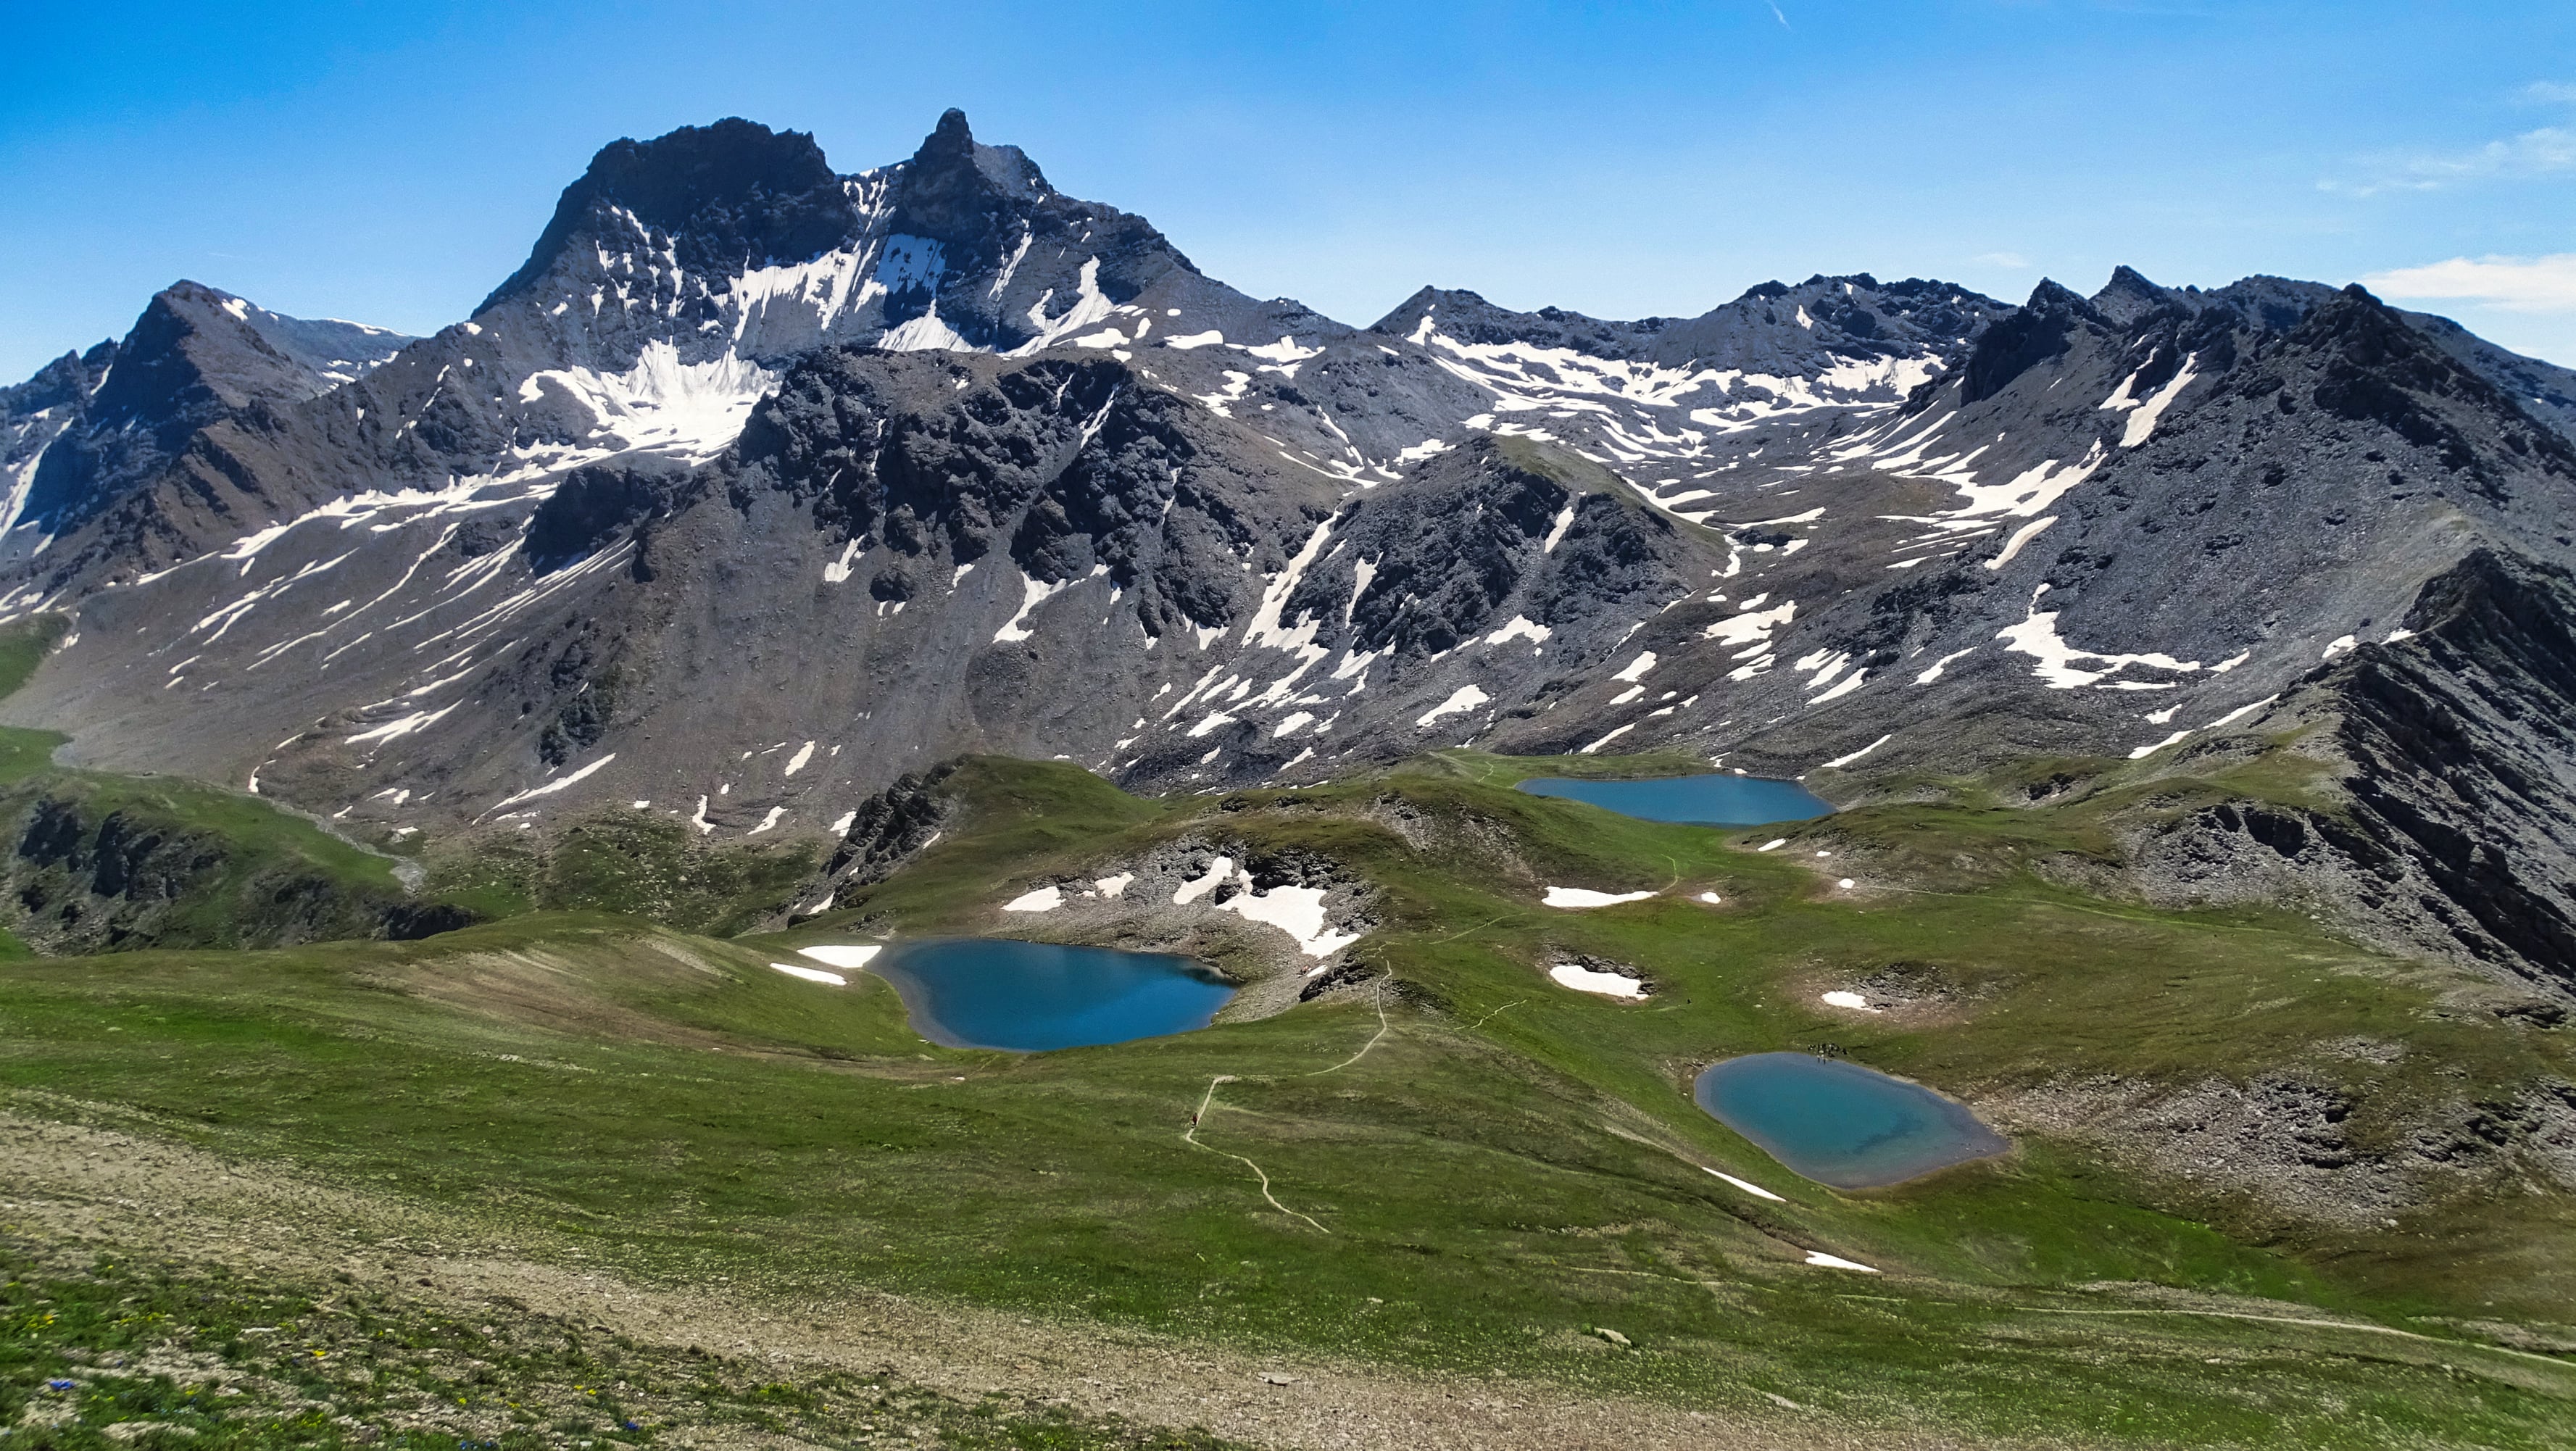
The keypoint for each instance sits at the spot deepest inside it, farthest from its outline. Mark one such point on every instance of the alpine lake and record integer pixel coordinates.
(1031, 997)
(1841, 1124)
(1709, 800)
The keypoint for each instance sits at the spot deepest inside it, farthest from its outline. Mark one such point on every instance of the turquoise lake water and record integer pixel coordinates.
(991, 992)
(1839, 1123)
(1697, 800)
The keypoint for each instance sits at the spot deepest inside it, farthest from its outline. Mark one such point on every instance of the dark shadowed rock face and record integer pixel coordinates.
(2452, 762)
(887, 829)
(1063, 466)
(2463, 740)
(2042, 329)
(727, 195)
(596, 506)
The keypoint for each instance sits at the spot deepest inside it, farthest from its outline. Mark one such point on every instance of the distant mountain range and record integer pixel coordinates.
(759, 485)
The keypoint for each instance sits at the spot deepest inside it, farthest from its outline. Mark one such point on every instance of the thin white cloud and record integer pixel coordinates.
(2515, 284)
(2013, 261)
(1778, 15)
(2550, 93)
(2548, 151)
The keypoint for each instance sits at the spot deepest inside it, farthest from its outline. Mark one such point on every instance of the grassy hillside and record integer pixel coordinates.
(622, 861)
(97, 860)
(1460, 1168)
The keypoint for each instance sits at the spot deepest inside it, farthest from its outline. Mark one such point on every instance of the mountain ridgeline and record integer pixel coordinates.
(759, 487)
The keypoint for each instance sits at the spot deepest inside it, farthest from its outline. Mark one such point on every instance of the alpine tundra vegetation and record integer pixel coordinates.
(512, 836)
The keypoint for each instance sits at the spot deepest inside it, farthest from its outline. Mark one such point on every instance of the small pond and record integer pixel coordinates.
(1711, 800)
(1839, 1123)
(991, 992)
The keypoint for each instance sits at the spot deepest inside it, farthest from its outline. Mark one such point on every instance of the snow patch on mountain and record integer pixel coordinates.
(2036, 636)
(661, 405)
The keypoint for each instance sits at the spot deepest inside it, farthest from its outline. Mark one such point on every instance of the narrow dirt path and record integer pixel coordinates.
(1191, 1138)
(1371, 1043)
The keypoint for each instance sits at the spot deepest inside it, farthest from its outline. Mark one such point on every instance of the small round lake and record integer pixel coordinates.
(993, 992)
(1711, 800)
(1839, 1123)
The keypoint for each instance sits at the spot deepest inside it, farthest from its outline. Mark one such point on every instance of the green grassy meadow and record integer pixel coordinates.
(1479, 1171)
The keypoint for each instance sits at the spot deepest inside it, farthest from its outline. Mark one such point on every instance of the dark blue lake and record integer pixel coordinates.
(1839, 1123)
(1697, 800)
(991, 992)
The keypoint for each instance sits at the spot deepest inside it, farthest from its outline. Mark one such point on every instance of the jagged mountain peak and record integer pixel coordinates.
(993, 219)
(727, 195)
(86, 433)
(67, 379)
(733, 240)
(951, 184)
(196, 348)
(1469, 318)
(2051, 296)
(1773, 328)
(2128, 295)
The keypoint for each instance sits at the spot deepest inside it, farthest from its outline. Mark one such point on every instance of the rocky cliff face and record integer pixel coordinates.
(82, 876)
(2464, 763)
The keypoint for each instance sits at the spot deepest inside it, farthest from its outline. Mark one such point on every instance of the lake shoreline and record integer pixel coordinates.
(1841, 1124)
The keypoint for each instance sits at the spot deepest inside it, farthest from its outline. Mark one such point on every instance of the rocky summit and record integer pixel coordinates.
(761, 485)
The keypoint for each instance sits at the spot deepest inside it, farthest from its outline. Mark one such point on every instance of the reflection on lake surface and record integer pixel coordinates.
(1839, 1123)
(990, 992)
(1697, 800)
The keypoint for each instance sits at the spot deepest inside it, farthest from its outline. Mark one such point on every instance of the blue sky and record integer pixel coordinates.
(392, 162)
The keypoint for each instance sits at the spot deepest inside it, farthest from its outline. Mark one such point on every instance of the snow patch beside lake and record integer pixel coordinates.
(833, 954)
(1219, 872)
(1044, 899)
(811, 974)
(1607, 984)
(1297, 911)
(2036, 636)
(1838, 762)
(1756, 1190)
(1577, 898)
